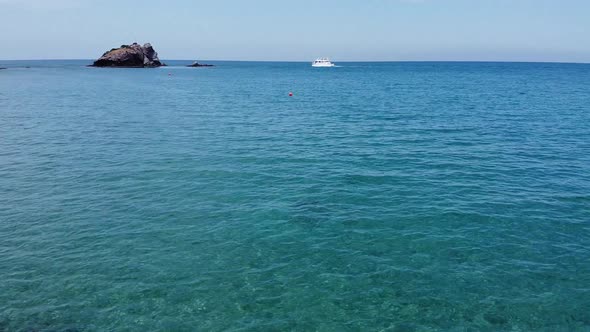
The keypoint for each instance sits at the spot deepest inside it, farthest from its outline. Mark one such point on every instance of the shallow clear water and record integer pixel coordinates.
(381, 196)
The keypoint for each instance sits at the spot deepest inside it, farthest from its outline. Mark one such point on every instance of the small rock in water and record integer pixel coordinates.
(196, 64)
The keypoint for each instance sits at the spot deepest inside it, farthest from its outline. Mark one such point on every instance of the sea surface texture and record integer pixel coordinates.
(379, 197)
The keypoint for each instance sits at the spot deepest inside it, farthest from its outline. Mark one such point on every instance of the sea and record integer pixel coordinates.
(385, 196)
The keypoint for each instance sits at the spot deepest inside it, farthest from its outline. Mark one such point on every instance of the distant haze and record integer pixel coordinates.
(345, 30)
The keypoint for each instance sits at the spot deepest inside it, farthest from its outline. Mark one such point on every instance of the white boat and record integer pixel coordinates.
(322, 62)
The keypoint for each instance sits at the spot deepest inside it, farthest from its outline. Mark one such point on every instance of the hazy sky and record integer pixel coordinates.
(503, 30)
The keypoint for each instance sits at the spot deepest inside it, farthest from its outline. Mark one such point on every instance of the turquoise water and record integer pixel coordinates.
(380, 197)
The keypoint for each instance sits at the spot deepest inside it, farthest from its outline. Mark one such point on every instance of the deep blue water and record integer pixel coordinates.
(380, 197)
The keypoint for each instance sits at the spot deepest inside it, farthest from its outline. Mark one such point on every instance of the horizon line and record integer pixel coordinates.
(347, 61)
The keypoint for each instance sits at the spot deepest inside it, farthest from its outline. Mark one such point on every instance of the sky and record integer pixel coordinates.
(302, 30)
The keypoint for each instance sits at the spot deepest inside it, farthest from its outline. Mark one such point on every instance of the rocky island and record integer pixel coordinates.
(196, 64)
(130, 56)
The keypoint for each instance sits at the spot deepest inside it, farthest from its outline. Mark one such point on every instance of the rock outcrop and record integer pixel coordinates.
(130, 56)
(2, 68)
(196, 64)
